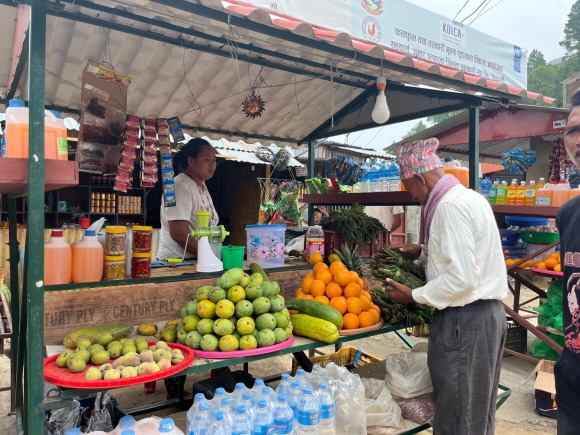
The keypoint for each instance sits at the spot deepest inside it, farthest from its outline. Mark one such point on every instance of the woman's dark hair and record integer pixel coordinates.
(190, 149)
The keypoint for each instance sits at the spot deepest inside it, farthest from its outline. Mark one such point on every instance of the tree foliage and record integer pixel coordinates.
(535, 59)
(571, 40)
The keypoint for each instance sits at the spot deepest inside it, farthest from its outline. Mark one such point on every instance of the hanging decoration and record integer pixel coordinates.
(253, 105)
(518, 161)
(560, 165)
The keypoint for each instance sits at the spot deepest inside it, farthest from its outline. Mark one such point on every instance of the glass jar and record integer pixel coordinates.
(115, 240)
(142, 238)
(141, 265)
(114, 267)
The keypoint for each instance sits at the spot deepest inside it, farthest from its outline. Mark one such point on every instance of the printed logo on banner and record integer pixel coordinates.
(374, 7)
(453, 33)
(517, 59)
(371, 30)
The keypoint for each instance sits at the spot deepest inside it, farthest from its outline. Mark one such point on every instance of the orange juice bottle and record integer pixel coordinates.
(512, 192)
(57, 260)
(541, 183)
(530, 194)
(87, 258)
(521, 193)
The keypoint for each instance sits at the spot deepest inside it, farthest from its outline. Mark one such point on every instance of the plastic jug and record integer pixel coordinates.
(57, 260)
(17, 128)
(87, 258)
(561, 193)
(544, 194)
(531, 194)
(454, 168)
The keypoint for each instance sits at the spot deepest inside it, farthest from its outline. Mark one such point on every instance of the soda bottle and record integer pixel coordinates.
(283, 416)
(301, 377)
(327, 410)
(242, 424)
(268, 395)
(201, 422)
(308, 413)
(263, 422)
(218, 427)
(284, 385)
(215, 402)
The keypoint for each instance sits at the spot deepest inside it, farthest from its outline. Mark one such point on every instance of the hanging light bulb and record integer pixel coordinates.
(381, 112)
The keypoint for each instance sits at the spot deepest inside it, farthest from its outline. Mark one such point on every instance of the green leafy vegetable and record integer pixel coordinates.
(353, 224)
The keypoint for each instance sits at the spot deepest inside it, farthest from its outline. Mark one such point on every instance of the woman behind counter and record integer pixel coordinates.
(197, 162)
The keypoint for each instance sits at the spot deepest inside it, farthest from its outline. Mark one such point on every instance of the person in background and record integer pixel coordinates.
(466, 281)
(319, 213)
(197, 161)
(567, 369)
(391, 217)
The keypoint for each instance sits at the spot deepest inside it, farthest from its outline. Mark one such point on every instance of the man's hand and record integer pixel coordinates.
(410, 251)
(401, 293)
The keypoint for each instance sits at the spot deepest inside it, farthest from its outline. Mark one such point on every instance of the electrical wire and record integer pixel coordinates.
(476, 9)
(484, 12)
(464, 4)
(380, 129)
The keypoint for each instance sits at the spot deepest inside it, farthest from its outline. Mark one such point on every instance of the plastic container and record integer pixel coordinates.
(531, 193)
(509, 237)
(314, 241)
(265, 245)
(140, 265)
(308, 413)
(394, 177)
(242, 424)
(263, 422)
(142, 238)
(561, 193)
(327, 410)
(544, 195)
(114, 267)
(512, 192)
(454, 168)
(87, 258)
(57, 260)
(115, 240)
(539, 237)
(233, 256)
(283, 416)
(521, 193)
(523, 221)
(574, 192)
(493, 192)
(17, 130)
(501, 196)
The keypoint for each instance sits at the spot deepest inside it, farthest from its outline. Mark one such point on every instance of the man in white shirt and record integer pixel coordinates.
(466, 281)
(390, 215)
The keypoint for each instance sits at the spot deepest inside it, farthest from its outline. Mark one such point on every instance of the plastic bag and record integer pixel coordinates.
(420, 409)
(380, 407)
(296, 243)
(407, 374)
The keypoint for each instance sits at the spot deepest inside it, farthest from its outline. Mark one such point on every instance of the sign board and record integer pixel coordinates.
(410, 29)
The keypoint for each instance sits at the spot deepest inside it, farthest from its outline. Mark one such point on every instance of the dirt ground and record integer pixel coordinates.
(515, 417)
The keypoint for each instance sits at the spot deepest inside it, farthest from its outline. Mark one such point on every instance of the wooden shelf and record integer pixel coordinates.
(368, 198)
(525, 210)
(58, 174)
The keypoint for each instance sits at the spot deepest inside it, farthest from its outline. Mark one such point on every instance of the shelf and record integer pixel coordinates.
(370, 198)
(58, 174)
(525, 210)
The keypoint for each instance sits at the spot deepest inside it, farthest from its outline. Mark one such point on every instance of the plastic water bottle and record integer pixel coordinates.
(198, 399)
(374, 177)
(126, 422)
(237, 395)
(268, 395)
(364, 182)
(215, 402)
(486, 187)
(73, 431)
(242, 425)
(384, 176)
(308, 413)
(301, 377)
(327, 410)
(226, 410)
(284, 385)
(493, 192)
(128, 432)
(167, 427)
(294, 396)
(201, 422)
(247, 403)
(394, 177)
(256, 390)
(283, 416)
(263, 422)
(218, 427)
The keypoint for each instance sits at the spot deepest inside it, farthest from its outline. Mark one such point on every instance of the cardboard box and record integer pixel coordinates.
(545, 387)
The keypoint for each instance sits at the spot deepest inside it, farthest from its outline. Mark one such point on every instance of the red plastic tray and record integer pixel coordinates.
(62, 377)
(248, 352)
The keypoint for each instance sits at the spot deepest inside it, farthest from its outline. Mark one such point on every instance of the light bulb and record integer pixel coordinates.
(381, 112)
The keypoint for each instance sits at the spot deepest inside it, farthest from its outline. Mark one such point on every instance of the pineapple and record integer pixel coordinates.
(350, 258)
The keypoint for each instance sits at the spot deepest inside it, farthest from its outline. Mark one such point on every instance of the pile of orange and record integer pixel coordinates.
(342, 289)
(552, 262)
(524, 265)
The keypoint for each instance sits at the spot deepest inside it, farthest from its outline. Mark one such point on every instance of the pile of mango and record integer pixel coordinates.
(240, 312)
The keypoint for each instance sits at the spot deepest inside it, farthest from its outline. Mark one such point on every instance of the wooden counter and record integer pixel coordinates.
(135, 301)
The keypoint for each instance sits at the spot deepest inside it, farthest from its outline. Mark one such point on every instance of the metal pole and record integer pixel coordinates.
(16, 303)
(310, 175)
(473, 147)
(33, 377)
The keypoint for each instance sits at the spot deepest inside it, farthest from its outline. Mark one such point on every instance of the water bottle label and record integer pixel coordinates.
(309, 418)
(326, 412)
(262, 430)
(284, 426)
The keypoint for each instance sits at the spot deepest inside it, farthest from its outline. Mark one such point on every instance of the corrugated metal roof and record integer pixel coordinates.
(198, 59)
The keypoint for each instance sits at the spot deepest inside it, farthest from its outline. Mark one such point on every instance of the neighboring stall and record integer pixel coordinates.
(164, 45)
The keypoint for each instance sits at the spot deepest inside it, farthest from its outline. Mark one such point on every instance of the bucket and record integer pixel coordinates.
(265, 244)
(233, 256)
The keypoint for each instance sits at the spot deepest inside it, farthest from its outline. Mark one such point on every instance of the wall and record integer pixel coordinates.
(540, 168)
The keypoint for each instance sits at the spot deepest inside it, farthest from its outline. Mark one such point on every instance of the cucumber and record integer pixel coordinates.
(118, 331)
(256, 268)
(316, 309)
(313, 327)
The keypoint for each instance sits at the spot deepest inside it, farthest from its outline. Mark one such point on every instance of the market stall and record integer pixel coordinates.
(149, 39)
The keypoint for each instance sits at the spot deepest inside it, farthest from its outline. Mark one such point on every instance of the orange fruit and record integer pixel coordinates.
(365, 319)
(364, 303)
(306, 282)
(510, 261)
(324, 276)
(550, 263)
(317, 288)
(333, 290)
(299, 293)
(353, 305)
(366, 294)
(319, 266)
(342, 277)
(556, 255)
(361, 283)
(335, 266)
(352, 289)
(540, 265)
(339, 303)
(315, 257)
(558, 268)
(307, 297)
(351, 321)
(353, 276)
(322, 299)
(375, 307)
(376, 316)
